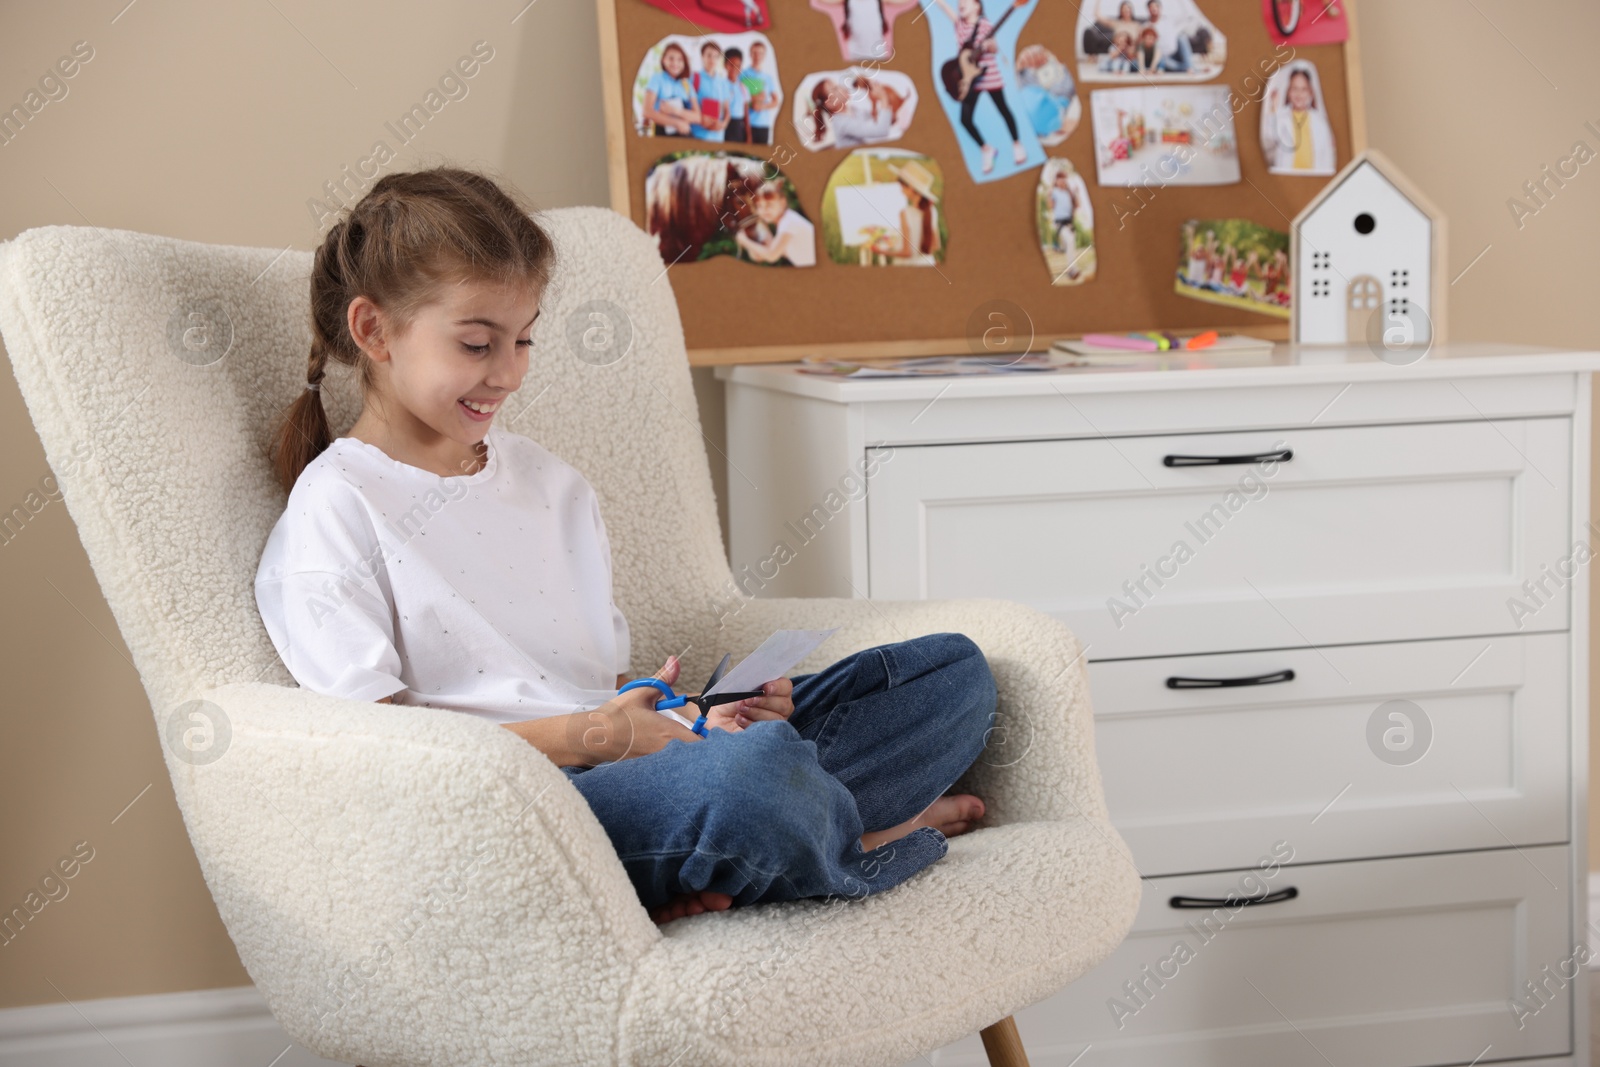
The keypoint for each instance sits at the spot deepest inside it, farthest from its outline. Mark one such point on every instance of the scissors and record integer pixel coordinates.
(705, 703)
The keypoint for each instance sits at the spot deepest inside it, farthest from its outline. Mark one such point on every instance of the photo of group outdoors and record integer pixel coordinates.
(855, 107)
(700, 204)
(865, 28)
(974, 68)
(1165, 135)
(729, 16)
(1065, 221)
(1147, 40)
(1236, 263)
(1047, 94)
(884, 207)
(721, 87)
(1296, 137)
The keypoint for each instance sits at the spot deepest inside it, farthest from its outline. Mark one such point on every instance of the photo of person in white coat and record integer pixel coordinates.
(1296, 137)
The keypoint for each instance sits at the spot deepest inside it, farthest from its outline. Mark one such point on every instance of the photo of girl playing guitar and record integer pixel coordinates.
(974, 72)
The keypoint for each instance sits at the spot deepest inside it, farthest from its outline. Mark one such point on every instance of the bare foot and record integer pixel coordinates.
(951, 815)
(691, 904)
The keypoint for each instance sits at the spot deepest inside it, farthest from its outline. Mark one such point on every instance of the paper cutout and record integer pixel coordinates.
(1235, 263)
(1147, 40)
(864, 28)
(777, 655)
(1169, 135)
(1296, 137)
(1305, 22)
(727, 16)
(708, 88)
(1065, 221)
(1047, 94)
(851, 108)
(976, 85)
(884, 207)
(700, 204)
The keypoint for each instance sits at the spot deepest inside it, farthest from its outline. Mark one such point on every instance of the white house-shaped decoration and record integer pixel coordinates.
(1368, 257)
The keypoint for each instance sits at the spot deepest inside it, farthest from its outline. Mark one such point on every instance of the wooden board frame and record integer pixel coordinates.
(629, 155)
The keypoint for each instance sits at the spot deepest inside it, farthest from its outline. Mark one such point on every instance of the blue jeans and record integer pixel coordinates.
(1181, 59)
(776, 811)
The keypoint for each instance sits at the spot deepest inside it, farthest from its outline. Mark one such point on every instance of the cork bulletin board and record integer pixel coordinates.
(740, 312)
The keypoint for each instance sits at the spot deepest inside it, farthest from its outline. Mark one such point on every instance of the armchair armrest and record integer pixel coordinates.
(1039, 763)
(387, 872)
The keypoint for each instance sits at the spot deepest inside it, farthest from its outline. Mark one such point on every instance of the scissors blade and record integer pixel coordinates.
(716, 675)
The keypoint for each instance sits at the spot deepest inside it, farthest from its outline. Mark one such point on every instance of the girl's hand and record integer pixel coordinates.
(628, 725)
(776, 704)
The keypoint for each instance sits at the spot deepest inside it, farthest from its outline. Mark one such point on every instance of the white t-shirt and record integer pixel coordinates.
(488, 593)
(802, 247)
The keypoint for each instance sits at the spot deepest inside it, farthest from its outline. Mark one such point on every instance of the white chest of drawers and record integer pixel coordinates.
(1335, 615)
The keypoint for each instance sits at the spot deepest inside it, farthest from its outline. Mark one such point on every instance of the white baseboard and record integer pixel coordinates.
(198, 1029)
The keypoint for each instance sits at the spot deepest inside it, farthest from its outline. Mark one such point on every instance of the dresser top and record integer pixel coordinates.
(1291, 364)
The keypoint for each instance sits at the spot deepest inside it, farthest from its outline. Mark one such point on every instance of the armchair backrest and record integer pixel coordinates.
(155, 371)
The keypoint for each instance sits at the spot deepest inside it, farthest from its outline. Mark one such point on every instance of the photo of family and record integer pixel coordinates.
(974, 70)
(1167, 135)
(729, 16)
(1296, 137)
(883, 207)
(700, 204)
(1047, 94)
(865, 28)
(721, 87)
(1147, 40)
(1064, 219)
(1236, 263)
(851, 108)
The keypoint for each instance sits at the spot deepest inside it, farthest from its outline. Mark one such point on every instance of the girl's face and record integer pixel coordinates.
(470, 343)
(1125, 13)
(770, 209)
(1299, 90)
(673, 63)
(970, 9)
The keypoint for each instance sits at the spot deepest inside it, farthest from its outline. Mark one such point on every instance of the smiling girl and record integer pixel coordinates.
(431, 557)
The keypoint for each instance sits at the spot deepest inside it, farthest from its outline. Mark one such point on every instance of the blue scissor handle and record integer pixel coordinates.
(670, 700)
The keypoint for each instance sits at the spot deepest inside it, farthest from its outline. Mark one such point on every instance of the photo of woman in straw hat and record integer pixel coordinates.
(882, 207)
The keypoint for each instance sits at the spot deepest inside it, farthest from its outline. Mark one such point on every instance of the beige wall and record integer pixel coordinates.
(219, 127)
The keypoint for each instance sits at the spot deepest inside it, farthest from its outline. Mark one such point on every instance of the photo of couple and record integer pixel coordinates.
(882, 207)
(728, 92)
(700, 204)
(1236, 263)
(850, 108)
(1147, 40)
(1296, 137)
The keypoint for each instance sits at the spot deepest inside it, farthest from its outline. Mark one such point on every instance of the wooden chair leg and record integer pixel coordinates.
(1003, 1044)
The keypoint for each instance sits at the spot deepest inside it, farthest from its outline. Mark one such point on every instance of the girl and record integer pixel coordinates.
(916, 244)
(1298, 138)
(853, 116)
(1063, 208)
(791, 236)
(669, 100)
(431, 558)
(970, 25)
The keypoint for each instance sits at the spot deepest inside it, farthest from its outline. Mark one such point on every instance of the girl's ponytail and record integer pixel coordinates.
(410, 233)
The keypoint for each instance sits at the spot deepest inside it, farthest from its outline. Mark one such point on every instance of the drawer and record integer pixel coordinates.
(1383, 963)
(1368, 533)
(1367, 750)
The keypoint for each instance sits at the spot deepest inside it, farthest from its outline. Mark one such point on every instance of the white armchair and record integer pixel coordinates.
(408, 886)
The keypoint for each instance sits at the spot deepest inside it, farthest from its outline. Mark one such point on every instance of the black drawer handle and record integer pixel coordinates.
(1219, 902)
(1282, 454)
(1177, 682)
